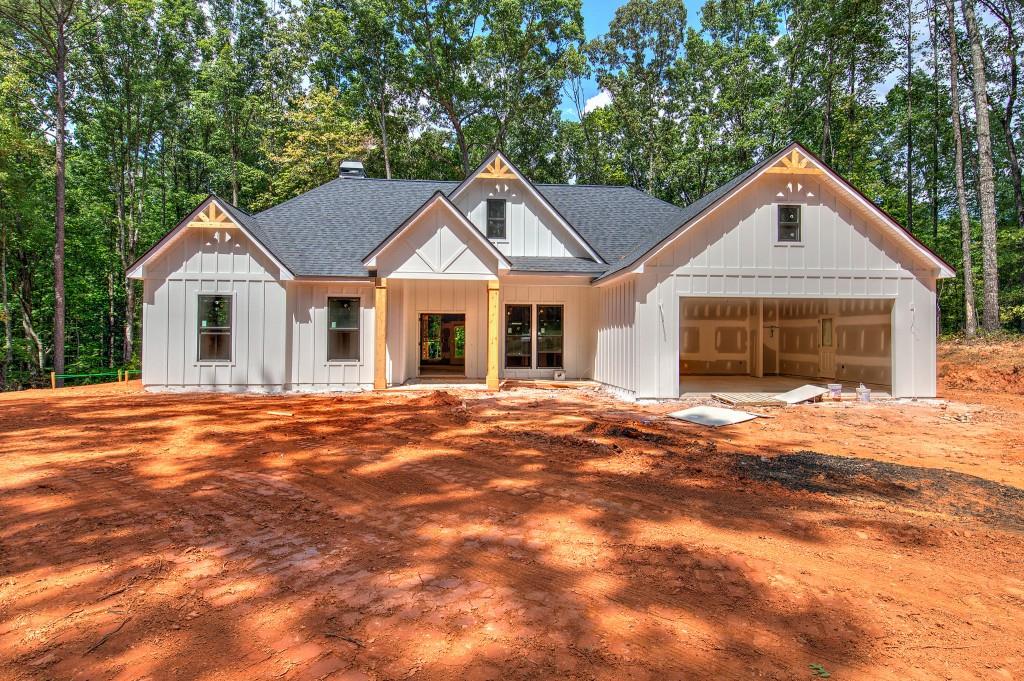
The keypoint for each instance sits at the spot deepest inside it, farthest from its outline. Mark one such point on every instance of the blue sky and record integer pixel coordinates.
(596, 16)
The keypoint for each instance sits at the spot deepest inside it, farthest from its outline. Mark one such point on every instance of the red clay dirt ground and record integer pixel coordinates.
(540, 534)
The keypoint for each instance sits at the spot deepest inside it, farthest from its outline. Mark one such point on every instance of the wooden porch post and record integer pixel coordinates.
(380, 324)
(493, 327)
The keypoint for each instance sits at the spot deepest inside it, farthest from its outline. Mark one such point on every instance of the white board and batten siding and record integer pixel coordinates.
(437, 245)
(732, 252)
(578, 320)
(532, 229)
(615, 362)
(407, 300)
(309, 370)
(203, 260)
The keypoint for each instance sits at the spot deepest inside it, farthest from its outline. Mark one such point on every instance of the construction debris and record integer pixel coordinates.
(805, 393)
(713, 417)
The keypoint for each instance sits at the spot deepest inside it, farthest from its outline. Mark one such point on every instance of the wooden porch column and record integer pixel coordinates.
(493, 329)
(380, 325)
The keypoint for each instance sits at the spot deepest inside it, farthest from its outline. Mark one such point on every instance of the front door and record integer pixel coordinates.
(442, 344)
(826, 347)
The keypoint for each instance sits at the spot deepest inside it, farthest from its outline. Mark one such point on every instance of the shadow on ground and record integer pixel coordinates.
(423, 536)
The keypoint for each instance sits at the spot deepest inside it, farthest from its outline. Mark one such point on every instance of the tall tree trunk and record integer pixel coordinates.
(970, 314)
(383, 123)
(129, 322)
(910, 116)
(6, 310)
(933, 35)
(236, 155)
(986, 181)
(110, 320)
(60, 63)
(25, 301)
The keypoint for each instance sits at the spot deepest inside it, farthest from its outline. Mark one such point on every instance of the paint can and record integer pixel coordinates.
(835, 391)
(863, 394)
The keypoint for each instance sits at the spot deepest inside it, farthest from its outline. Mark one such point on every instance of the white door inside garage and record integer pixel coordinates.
(822, 340)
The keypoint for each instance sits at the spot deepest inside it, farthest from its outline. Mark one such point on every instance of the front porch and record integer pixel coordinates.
(437, 331)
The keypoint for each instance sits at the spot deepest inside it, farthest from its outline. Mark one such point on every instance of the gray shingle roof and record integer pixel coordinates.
(329, 230)
(654, 236)
(529, 263)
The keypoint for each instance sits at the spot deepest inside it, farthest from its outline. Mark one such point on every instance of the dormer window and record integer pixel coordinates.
(496, 219)
(789, 224)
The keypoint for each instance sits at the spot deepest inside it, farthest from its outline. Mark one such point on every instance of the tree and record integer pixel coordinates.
(970, 315)
(1010, 14)
(45, 33)
(132, 80)
(358, 48)
(486, 69)
(633, 63)
(248, 75)
(986, 181)
(318, 133)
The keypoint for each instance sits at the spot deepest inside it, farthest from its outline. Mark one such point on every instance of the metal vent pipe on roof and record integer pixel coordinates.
(351, 169)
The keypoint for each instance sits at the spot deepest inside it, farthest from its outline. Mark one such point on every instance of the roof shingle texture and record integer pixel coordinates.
(329, 230)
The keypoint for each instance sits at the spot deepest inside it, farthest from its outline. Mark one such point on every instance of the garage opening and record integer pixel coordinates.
(772, 345)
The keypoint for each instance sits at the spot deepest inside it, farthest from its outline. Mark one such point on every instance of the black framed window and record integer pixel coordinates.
(518, 336)
(789, 223)
(342, 329)
(496, 212)
(214, 328)
(549, 336)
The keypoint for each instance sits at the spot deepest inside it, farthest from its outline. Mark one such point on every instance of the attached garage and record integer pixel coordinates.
(842, 339)
(785, 275)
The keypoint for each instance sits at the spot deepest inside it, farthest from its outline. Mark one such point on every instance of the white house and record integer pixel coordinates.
(365, 283)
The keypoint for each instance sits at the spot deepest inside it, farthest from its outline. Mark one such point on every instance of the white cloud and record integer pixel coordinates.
(598, 101)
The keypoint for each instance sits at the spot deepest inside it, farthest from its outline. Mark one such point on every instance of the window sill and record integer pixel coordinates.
(344, 363)
(214, 363)
(785, 244)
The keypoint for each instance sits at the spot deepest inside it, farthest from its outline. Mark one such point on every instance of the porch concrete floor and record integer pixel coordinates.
(702, 387)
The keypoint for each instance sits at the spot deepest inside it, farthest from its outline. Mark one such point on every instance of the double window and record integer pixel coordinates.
(214, 328)
(342, 329)
(534, 326)
(789, 224)
(496, 219)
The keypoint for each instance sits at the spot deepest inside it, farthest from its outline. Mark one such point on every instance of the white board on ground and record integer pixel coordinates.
(712, 416)
(802, 394)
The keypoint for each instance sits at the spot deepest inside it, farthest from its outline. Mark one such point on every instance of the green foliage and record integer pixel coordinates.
(259, 101)
(819, 671)
(318, 133)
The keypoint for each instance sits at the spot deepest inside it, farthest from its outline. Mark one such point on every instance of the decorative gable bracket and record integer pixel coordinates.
(497, 170)
(794, 163)
(212, 217)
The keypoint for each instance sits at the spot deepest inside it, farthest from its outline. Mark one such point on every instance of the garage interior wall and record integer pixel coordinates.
(721, 336)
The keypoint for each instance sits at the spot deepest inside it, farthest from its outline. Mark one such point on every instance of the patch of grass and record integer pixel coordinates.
(819, 671)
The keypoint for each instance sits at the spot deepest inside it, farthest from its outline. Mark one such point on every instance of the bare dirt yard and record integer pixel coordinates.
(535, 534)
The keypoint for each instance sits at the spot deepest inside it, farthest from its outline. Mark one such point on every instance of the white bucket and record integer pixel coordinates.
(835, 391)
(863, 394)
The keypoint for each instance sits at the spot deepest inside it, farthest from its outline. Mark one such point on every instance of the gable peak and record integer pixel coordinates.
(794, 163)
(497, 169)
